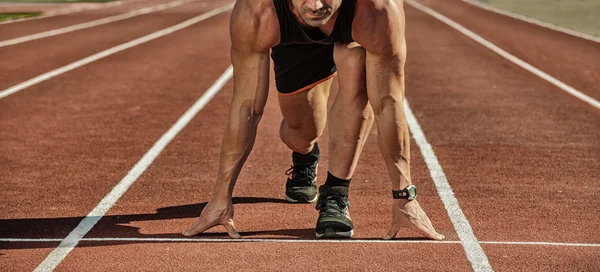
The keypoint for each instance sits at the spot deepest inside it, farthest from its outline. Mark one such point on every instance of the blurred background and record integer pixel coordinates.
(579, 15)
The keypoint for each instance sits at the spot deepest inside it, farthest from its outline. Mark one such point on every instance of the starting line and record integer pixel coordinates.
(274, 240)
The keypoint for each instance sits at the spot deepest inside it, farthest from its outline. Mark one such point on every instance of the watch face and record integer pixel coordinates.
(412, 192)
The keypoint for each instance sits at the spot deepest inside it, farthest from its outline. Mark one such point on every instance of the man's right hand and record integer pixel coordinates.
(216, 212)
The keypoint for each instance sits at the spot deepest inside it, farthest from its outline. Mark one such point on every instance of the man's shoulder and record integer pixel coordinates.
(375, 21)
(254, 23)
(376, 3)
(377, 10)
(254, 7)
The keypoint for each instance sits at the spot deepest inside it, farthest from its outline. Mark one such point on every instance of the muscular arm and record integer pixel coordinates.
(385, 59)
(251, 42)
(251, 83)
(253, 32)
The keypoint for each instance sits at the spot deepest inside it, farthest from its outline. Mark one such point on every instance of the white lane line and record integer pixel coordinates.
(71, 11)
(59, 253)
(111, 51)
(266, 240)
(274, 240)
(475, 253)
(563, 86)
(94, 23)
(541, 244)
(533, 21)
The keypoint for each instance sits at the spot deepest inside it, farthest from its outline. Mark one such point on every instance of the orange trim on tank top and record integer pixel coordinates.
(309, 86)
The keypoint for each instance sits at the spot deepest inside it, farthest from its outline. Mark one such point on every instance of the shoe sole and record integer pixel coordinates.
(330, 233)
(291, 200)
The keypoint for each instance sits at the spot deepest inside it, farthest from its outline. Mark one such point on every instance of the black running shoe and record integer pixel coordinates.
(301, 183)
(334, 218)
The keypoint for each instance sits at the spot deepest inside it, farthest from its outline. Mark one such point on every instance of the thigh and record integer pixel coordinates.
(350, 62)
(307, 109)
(303, 76)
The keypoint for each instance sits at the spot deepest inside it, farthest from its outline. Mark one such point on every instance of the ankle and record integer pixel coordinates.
(308, 158)
(314, 150)
(333, 181)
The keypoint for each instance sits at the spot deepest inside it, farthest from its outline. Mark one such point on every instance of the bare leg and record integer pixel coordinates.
(351, 116)
(304, 117)
(350, 121)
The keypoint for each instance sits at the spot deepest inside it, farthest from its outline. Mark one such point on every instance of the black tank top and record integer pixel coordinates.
(292, 32)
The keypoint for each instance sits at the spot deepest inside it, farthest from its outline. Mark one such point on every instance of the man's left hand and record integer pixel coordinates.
(409, 214)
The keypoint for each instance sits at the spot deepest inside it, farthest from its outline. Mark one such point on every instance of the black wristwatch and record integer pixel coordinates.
(410, 193)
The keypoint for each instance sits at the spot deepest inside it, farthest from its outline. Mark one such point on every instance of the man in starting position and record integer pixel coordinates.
(310, 41)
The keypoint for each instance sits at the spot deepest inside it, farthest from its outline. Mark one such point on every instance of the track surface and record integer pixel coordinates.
(520, 154)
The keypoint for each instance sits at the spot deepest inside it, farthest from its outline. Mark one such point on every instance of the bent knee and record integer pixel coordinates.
(388, 105)
(308, 130)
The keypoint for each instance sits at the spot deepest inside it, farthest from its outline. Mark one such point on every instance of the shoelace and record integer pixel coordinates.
(332, 205)
(302, 173)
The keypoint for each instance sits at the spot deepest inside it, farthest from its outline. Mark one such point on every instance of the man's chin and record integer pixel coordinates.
(315, 22)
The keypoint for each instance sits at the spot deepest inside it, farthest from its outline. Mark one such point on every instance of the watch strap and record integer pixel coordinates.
(400, 194)
(405, 193)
